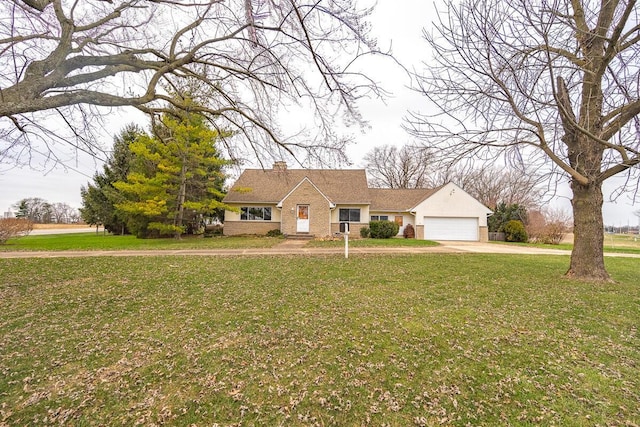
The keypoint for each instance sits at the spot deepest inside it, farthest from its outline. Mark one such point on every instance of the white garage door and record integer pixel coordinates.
(438, 228)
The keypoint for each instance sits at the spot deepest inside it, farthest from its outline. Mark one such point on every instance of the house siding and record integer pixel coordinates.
(484, 234)
(237, 228)
(354, 228)
(233, 226)
(319, 210)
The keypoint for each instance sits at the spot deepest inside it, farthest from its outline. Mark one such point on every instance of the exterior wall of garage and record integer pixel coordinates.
(452, 202)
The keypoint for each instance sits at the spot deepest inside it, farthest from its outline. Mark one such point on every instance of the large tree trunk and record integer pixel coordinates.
(587, 259)
(181, 198)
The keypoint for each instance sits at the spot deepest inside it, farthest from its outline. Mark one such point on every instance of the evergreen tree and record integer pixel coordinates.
(504, 213)
(176, 177)
(99, 198)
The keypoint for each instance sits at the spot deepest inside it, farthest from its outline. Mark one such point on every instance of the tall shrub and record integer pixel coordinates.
(14, 227)
(515, 232)
(383, 229)
(504, 213)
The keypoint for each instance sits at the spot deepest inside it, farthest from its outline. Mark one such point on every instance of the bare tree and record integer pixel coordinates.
(548, 226)
(65, 65)
(10, 228)
(492, 185)
(555, 82)
(410, 166)
(62, 213)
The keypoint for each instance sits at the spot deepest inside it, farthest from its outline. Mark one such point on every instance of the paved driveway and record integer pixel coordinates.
(500, 248)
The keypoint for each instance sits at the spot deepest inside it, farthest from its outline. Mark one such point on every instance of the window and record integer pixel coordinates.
(379, 217)
(255, 214)
(349, 215)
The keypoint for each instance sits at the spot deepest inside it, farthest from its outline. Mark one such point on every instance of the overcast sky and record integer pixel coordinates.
(395, 24)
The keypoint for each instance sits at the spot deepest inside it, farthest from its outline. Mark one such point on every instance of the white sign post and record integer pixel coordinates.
(346, 240)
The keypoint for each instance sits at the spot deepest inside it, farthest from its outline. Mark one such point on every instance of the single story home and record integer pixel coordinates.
(316, 201)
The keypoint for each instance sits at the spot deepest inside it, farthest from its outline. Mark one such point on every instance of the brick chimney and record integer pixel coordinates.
(280, 166)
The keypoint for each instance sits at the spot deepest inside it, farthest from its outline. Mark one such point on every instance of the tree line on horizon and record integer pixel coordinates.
(40, 211)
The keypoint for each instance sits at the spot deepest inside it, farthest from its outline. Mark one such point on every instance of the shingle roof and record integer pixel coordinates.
(398, 199)
(271, 186)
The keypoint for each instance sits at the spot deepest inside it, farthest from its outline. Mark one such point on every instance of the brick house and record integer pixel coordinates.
(315, 201)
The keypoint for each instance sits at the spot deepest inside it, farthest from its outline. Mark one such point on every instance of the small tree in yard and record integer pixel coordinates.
(548, 227)
(11, 228)
(515, 232)
(100, 196)
(409, 232)
(176, 176)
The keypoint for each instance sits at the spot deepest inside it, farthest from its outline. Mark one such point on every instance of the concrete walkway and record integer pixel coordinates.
(297, 247)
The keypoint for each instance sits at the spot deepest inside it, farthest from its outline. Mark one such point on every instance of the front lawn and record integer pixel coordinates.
(372, 340)
(93, 241)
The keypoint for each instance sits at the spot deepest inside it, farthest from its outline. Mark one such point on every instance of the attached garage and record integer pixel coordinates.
(448, 228)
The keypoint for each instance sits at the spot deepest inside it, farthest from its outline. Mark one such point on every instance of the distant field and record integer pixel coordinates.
(620, 243)
(429, 340)
(59, 226)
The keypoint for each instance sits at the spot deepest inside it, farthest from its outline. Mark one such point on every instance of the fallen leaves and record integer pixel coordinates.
(315, 341)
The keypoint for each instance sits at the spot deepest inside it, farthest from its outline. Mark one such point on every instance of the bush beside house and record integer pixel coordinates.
(383, 229)
(409, 232)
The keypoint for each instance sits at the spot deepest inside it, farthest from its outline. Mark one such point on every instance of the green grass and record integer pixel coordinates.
(93, 241)
(372, 340)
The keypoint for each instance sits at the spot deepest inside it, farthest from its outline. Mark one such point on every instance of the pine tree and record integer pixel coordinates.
(99, 198)
(176, 177)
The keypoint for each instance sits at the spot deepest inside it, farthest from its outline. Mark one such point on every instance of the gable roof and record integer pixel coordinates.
(398, 199)
(340, 186)
(305, 179)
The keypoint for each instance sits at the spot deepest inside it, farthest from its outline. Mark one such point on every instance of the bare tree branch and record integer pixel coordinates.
(411, 166)
(250, 58)
(555, 84)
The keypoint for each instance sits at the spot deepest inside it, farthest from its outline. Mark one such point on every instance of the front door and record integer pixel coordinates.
(302, 225)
